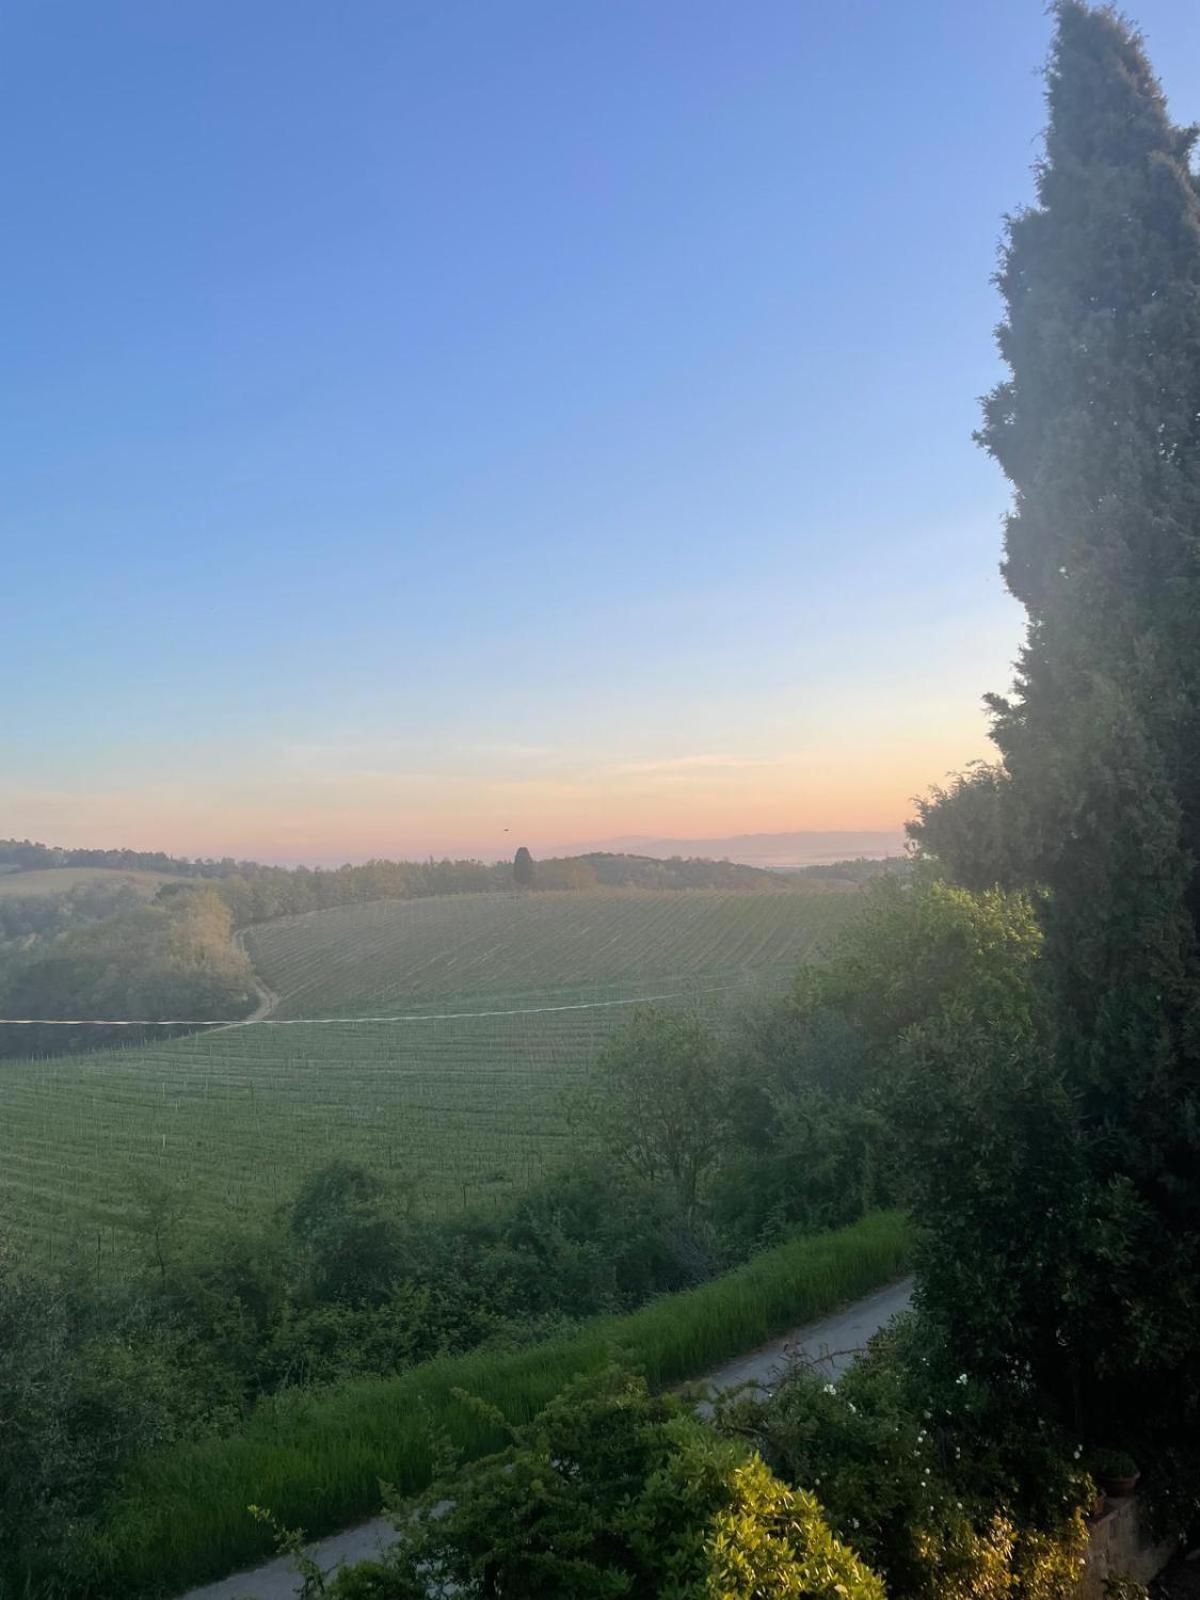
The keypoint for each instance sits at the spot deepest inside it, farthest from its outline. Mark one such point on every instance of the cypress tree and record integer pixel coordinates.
(1097, 427)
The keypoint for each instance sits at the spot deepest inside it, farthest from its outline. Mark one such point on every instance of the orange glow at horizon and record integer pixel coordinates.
(352, 815)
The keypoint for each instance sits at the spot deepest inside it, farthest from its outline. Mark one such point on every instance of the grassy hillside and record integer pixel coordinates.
(526, 949)
(61, 880)
(506, 1000)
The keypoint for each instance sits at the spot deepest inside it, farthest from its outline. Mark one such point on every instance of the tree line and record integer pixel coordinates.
(171, 958)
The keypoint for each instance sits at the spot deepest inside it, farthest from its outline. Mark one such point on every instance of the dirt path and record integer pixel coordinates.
(267, 998)
(832, 1343)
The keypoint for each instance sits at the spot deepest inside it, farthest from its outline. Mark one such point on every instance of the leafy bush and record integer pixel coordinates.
(610, 1492)
(814, 1112)
(348, 1248)
(927, 952)
(771, 1541)
(85, 1389)
(951, 1493)
(659, 1102)
(808, 1147)
(316, 1459)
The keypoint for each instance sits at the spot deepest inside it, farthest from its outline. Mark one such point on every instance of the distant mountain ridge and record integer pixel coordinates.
(800, 848)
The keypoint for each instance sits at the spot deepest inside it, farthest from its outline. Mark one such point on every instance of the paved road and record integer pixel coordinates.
(832, 1342)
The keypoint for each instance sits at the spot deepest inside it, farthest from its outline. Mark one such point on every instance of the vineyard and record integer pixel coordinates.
(525, 950)
(455, 1030)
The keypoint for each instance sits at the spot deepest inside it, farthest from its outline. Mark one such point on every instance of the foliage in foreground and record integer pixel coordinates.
(338, 1286)
(316, 1460)
(814, 1491)
(945, 1486)
(819, 1090)
(610, 1491)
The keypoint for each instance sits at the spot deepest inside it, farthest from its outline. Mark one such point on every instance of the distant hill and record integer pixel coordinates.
(255, 892)
(613, 870)
(62, 880)
(803, 848)
(859, 870)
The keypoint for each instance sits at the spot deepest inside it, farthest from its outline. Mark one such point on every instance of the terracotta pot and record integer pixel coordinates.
(1120, 1488)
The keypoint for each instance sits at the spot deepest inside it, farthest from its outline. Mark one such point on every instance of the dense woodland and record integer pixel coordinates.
(78, 958)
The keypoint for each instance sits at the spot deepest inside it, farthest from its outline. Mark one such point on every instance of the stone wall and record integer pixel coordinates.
(1117, 1545)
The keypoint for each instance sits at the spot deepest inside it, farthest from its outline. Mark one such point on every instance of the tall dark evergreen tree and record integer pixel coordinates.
(1097, 428)
(524, 870)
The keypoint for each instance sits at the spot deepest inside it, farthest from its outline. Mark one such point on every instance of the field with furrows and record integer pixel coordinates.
(515, 949)
(493, 1005)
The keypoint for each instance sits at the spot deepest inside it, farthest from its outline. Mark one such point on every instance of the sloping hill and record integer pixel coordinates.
(61, 880)
(481, 951)
(503, 1000)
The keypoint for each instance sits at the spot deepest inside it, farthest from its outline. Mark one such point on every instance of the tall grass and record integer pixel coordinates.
(317, 1461)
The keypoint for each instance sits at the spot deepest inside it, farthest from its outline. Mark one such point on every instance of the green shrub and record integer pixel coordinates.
(1112, 1463)
(658, 1100)
(948, 1489)
(820, 1129)
(317, 1460)
(611, 1491)
(82, 1395)
(770, 1542)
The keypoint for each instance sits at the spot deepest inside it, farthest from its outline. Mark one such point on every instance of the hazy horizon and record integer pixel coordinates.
(794, 848)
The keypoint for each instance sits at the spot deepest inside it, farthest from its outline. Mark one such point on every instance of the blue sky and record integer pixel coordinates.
(422, 419)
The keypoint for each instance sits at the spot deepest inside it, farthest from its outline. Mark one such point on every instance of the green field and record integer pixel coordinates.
(516, 950)
(60, 880)
(504, 999)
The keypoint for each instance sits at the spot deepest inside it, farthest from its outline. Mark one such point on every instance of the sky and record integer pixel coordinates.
(421, 419)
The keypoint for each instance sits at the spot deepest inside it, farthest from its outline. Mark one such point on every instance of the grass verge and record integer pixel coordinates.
(317, 1460)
